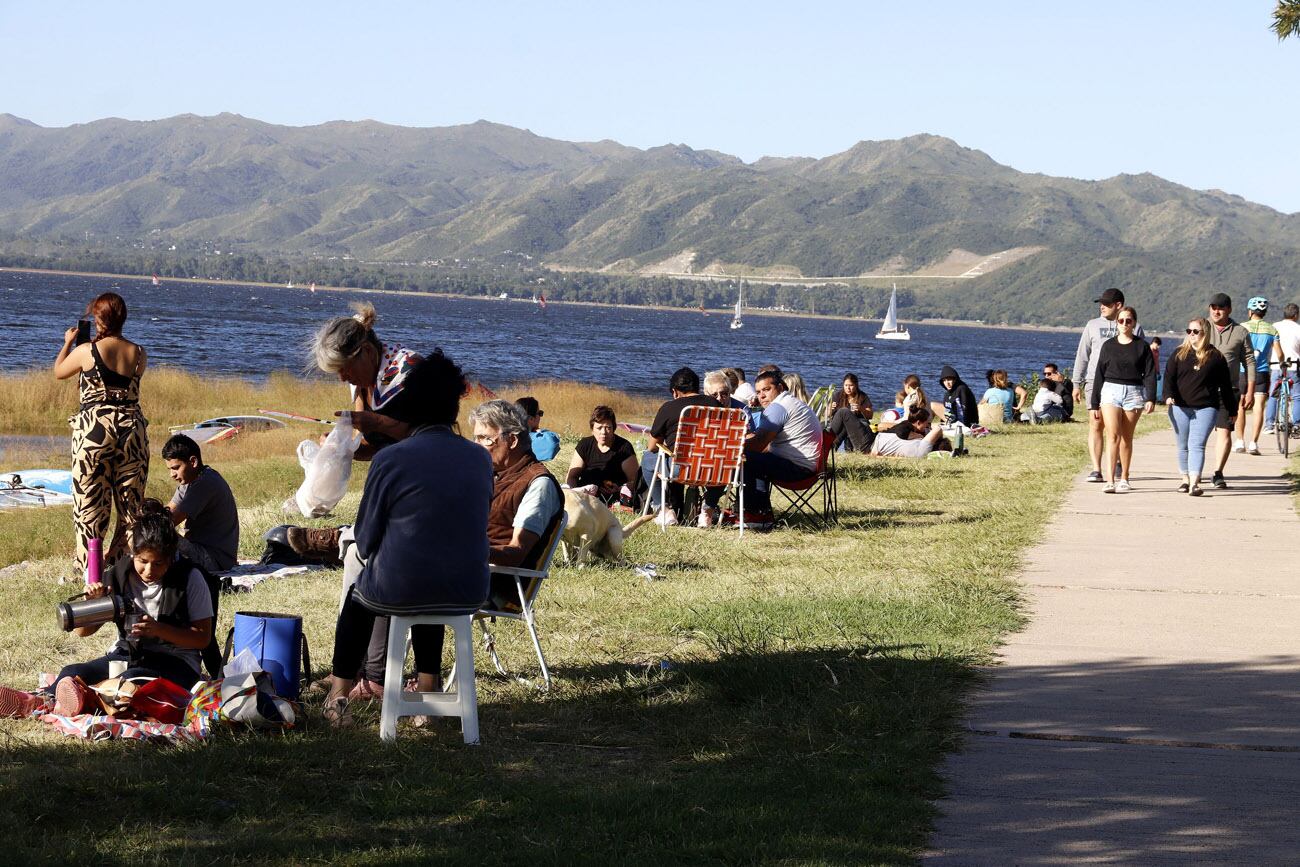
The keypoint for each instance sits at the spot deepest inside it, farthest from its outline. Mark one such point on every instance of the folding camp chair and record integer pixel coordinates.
(802, 495)
(709, 453)
(528, 582)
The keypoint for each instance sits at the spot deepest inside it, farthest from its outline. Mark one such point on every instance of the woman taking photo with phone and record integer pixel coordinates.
(1124, 388)
(110, 440)
(1197, 385)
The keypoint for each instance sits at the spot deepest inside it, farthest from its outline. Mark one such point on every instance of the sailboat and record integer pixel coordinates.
(889, 329)
(156, 281)
(736, 321)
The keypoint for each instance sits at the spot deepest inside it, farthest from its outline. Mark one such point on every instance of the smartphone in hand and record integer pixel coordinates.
(83, 331)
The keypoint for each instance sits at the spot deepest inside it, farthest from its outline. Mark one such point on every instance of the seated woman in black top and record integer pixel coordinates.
(604, 459)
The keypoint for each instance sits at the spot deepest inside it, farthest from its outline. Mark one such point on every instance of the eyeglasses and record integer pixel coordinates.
(1217, 307)
(1127, 321)
(1193, 331)
(540, 413)
(1049, 373)
(486, 442)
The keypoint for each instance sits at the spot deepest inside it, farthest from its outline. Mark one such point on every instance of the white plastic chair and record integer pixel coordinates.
(462, 702)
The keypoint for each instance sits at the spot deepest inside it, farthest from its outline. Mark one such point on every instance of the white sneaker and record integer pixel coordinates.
(1238, 445)
(1268, 430)
(1252, 448)
(667, 518)
(1123, 487)
(707, 517)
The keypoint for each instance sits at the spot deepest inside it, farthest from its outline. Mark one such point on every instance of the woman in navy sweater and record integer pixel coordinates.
(1123, 389)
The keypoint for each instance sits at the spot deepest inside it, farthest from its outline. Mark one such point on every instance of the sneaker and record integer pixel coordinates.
(667, 518)
(1196, 491)
(72, 696)
(1218, 481)
(1238, 445)
(1122, 486)
(317, 544)
(707, 517)
(1268, 430)
(1252, 449)
(1095, 476)
(1109, 489)
(16, 704)
(1184, 488)
(759, 520)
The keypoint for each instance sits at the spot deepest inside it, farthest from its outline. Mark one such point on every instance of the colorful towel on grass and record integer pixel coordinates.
(102, 727)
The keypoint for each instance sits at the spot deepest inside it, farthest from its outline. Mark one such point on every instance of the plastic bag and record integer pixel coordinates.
(327, 468)
(243, 663)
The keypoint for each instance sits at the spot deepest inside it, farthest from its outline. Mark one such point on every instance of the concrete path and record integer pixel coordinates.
(1150, 711)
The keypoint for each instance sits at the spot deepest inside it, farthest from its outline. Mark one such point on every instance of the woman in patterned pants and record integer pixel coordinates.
(110, 439)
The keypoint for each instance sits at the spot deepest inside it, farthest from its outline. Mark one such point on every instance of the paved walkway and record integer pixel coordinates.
(1150, 711)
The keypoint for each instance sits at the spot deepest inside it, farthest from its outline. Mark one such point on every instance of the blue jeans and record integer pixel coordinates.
(655, 494)
(1193, 427)
(1270, 409)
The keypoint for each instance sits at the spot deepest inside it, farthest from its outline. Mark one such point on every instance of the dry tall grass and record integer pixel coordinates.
(35, 403)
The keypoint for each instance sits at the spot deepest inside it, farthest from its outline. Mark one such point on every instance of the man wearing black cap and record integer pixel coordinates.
(1230, 338)
(1095, 333)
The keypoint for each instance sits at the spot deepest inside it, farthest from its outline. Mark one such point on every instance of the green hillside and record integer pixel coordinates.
(921, 205)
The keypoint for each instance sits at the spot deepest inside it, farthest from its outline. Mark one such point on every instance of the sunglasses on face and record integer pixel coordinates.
(1128, 322)
(1216, 307)
(1193, 331)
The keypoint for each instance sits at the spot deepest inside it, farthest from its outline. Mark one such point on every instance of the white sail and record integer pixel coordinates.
(736, 321)
(889, 329)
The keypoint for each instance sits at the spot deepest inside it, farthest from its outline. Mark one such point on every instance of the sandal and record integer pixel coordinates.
(1184, 488)
(337, 713)
(1196, 491)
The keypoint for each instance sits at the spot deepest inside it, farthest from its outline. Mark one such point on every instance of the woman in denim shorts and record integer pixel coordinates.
(1124, 388)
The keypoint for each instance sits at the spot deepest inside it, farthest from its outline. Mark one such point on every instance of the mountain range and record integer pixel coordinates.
(964, 234)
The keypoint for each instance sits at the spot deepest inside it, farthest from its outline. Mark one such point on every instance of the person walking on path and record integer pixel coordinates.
(110, 439)
(1095, 333)
(1123, 389)
(1197, 385)
(1264, 340)
(1288, 330)
(1231, 339)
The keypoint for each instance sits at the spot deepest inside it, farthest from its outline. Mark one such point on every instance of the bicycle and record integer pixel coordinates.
(1282, 426)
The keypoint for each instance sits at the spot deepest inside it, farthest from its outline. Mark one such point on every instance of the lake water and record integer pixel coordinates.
(231, 329)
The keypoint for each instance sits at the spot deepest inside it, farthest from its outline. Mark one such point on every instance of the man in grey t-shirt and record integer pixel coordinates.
(205, 504)
(1095, 333)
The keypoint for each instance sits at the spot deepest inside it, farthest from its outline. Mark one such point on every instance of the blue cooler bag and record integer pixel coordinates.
(279, 645)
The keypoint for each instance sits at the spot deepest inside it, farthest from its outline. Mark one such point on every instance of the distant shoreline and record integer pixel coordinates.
(753, 311)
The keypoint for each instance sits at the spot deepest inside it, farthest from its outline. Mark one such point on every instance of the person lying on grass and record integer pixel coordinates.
(915, 437)
(169, 619)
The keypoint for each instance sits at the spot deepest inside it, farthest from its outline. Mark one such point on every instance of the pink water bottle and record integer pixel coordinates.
(93, 560)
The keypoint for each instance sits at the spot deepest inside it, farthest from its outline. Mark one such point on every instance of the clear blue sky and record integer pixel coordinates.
(1201, 93)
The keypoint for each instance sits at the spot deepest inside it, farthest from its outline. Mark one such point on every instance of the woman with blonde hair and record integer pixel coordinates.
(375, 372)
(1197, 384)
(110, 439)
(795, 385)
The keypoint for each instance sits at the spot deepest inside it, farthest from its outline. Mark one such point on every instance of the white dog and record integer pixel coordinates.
(593, 531)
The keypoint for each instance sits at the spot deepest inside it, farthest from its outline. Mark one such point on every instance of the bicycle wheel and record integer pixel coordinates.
(1282, 424)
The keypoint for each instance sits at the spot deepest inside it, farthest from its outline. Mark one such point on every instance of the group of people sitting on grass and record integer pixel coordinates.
(1051, 400)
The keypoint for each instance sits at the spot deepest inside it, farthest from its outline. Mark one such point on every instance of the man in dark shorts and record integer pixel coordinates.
(1230, 338)
(204, 504)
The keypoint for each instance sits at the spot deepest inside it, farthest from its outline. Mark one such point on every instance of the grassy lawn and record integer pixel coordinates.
(786, 700)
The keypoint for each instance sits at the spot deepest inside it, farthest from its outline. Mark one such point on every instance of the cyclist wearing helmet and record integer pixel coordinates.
(1264, 340)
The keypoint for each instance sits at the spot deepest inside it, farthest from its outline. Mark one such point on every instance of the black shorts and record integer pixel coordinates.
(1261, 384)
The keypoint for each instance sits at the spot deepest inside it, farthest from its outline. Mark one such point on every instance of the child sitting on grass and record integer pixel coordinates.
(169, 619)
